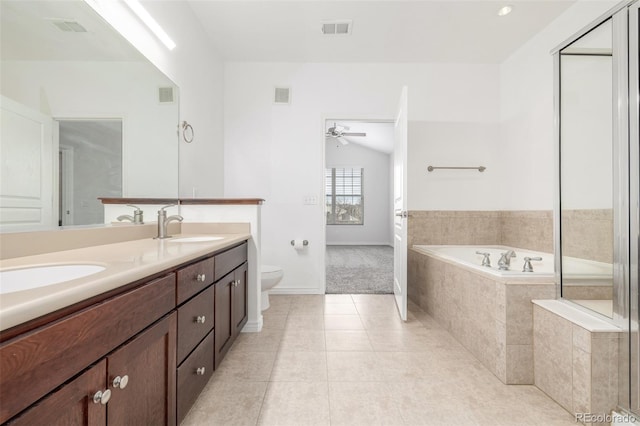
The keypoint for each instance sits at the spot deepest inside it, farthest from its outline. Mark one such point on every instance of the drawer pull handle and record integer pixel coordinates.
(102, 397)
(121, 382)
(200, 319)
(201, 278)
(200, 371)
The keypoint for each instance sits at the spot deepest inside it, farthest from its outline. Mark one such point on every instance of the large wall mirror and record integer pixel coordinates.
(587, 180)
(84, 115)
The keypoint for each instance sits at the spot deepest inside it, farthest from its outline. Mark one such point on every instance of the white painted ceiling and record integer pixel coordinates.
(448, 31)
(27, 33)
(379, 134)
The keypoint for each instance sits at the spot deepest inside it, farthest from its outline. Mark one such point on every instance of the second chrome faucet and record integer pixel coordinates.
(163, 222)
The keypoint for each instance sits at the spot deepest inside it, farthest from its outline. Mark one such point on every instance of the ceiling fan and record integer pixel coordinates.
(338, 132)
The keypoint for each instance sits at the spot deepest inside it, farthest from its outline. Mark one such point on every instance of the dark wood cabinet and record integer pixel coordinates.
(239, 299)
(231, 306)
(223, 326)
(140, 357)
(141, 377)
(72, 404)
(133, 385)
(193, 375)
(34, 364)
(194, 278)
(195, 321)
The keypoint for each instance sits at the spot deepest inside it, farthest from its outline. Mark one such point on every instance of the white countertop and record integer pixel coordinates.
(124, 262)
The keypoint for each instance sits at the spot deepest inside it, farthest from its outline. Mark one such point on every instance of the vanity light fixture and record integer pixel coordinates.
(151, 23)
(505, 10)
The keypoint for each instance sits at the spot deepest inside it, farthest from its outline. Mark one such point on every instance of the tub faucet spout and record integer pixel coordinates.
(505, 260)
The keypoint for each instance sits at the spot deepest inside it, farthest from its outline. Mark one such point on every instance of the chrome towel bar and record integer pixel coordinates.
(479, 168)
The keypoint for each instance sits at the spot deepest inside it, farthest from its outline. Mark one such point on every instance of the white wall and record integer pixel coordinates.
(276, 151)
(526, 110)
(196, 68)
(376, 228)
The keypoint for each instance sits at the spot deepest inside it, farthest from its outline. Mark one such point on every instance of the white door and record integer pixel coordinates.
(28, 165)
(400, 207)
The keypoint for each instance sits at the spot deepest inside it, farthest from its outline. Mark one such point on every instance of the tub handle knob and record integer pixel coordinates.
(527, 263)
(485, 260)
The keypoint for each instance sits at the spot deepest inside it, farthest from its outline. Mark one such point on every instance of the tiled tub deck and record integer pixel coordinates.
(491, 316)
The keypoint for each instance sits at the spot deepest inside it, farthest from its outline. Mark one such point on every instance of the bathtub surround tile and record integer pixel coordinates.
(553, 356)
(591, 376)
(588, 234)
(492, 318)
(604, 373)
(531, 230)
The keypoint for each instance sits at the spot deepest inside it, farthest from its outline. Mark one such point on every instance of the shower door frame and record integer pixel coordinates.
(629, 382)
(626, 90)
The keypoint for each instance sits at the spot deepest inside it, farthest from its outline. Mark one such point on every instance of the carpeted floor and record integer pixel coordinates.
(359, 269)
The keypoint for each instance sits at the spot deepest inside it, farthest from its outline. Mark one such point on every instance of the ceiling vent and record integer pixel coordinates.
(166, 95)
(282, 96)
(69, 26)
(337, 27)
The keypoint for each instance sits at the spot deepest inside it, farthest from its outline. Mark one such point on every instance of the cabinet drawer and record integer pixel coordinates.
(34, 364)
(195, 320)
(230, 260)
(194, 278)
(190, 381)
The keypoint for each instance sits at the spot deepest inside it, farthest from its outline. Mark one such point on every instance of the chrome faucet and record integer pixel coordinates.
(163, 221)
(486, 261)
(505, 260)
(527, 263)
(137, 217)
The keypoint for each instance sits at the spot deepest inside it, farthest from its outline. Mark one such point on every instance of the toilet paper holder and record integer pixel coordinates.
(304, 242)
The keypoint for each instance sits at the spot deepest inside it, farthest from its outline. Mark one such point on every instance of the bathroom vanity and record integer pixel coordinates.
(139, 353)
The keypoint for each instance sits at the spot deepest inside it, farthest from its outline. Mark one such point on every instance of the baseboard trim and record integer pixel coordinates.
(385, 243)
(253, 326)
(292, 290)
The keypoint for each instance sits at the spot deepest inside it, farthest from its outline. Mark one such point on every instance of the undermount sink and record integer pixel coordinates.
(15, 280)
(195, 239)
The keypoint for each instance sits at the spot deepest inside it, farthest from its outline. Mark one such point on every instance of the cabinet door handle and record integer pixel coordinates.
(102, 397)
(201, 277)
(235, 283)
(200, 319)
(120, 382)
(200, 371)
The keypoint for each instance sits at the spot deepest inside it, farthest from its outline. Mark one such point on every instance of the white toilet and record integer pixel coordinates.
(271, 275)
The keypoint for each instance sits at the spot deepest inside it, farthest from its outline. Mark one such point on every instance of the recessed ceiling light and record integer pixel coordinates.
(505, 10)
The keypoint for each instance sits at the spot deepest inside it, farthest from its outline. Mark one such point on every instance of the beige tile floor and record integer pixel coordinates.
(349, 360)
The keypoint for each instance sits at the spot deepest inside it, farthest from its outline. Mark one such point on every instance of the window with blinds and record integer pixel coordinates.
(344, 196)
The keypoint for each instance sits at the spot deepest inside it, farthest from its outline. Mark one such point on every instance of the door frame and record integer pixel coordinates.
(371, 118)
